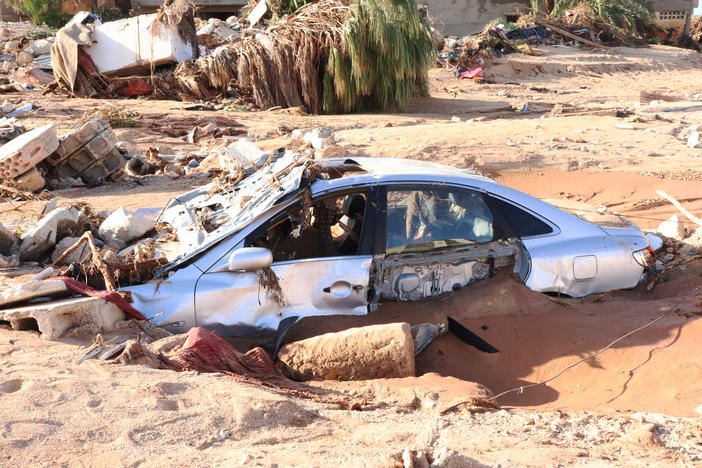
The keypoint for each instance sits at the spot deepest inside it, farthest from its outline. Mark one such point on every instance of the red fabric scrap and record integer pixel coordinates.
(133, 86)
(109, 296)
(204, 351)
(472, 73)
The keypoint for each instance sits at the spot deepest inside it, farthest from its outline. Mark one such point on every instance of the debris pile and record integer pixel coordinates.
(86, 51)
(320, 58)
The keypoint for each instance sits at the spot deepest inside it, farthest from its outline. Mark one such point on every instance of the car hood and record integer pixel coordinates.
(206, 215)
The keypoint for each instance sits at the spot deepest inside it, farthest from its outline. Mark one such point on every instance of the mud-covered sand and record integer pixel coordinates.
(54, 411)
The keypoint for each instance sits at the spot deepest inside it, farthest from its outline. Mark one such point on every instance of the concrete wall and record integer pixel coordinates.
(460, 17)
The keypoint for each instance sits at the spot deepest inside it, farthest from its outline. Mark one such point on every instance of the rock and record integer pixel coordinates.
(9, 249)
(377, 351)
(11, 46)
(76, 256)
(42, 237)
(319, 137)
(445, 457)
(672, 227)
(669, 257)
(643, 437)
(24, 59)
(7, 107)
(124, 226)
(331, 152)
(695, 140)
(126, 147)
(39, 47)
(8, 241)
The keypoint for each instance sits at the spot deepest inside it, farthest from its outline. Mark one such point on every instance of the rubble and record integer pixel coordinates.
(131, 44)
(44, 235)
(31, 290)
(27, 150)
(124, 226)
(9, 248)
(88, 154)
(77, 256)
(85, 315)
(377, 351)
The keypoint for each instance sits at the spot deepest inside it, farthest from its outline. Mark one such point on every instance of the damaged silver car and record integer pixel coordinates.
(305, 238)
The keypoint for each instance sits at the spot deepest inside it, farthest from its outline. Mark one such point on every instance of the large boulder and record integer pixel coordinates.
(377, 351)
(42, 237)
(125, 226)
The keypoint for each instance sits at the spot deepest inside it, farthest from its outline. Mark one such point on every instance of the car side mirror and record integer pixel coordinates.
(250, 259)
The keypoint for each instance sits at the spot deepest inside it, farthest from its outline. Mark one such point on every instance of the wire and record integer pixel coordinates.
(543, 382)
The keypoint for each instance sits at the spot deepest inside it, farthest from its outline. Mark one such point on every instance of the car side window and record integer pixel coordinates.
(523, 223)
(422, 219)
(329, 226)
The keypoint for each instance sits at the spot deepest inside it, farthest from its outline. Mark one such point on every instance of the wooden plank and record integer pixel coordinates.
(571, 35)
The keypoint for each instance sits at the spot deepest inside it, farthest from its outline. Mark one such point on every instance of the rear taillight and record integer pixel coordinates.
(645, 257)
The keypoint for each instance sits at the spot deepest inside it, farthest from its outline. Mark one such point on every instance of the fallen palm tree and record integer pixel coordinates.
(328, 56)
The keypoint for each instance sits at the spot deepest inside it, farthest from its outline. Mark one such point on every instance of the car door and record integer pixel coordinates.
(321, 260)
(439, 238)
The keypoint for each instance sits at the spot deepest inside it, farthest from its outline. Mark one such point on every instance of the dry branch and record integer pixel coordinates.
(107, 274)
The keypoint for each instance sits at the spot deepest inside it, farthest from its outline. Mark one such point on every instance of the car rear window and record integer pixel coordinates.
(524, 224)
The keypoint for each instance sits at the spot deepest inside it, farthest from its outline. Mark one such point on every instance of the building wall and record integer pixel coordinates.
(460, 17)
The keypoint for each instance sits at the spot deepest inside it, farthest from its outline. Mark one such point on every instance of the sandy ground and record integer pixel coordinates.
(55, 411)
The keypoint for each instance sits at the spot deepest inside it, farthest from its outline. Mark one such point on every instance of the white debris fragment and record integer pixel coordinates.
(672, 227)
(695, 140)
(124, 226)
(44, 234)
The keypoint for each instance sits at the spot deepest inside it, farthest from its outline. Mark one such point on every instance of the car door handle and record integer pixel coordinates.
(342, 289)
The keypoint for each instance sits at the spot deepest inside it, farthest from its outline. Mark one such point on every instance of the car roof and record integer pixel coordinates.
(408, 167)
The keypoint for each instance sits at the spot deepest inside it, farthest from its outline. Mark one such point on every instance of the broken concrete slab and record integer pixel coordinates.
(31, 181)
(135, 43)
(77, 256)
(31, 290)
(85, 315)
(43, 236)
(27, 150)
(125, 226)
(377, 351)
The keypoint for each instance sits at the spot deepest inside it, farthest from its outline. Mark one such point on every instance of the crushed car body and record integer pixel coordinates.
(305, 238)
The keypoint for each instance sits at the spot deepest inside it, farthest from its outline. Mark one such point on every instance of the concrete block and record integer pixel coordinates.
(71, 143)
(27, 150)
(89, 315)
(31, 181)
(377, 351)
(134, 43)
(31, 290)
